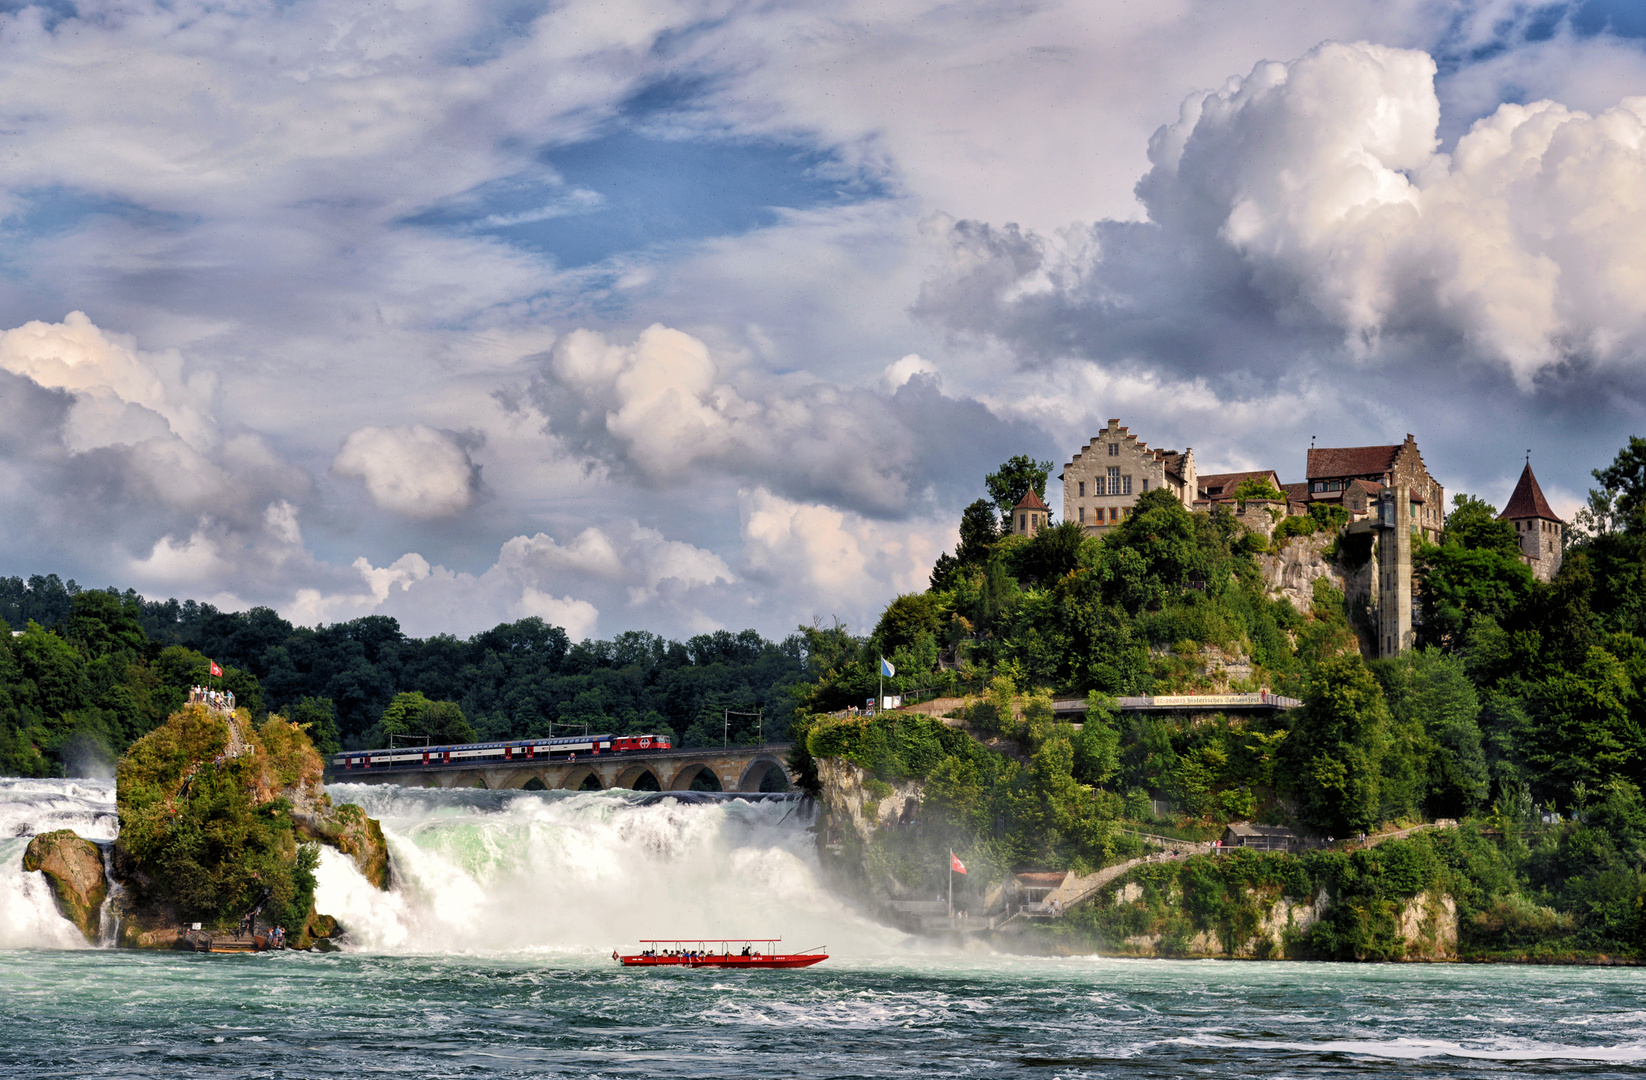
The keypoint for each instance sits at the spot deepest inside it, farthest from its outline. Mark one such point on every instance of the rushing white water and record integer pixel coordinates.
(510, 871)
(580, 871)
(29, 918)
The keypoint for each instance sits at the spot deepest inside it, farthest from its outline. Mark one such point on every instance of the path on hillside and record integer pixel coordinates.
(1075, 889)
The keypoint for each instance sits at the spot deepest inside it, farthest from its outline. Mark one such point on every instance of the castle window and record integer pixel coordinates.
(1125, 485)
(1114, 479)
(1023, 522)
(1114, 449)
(1083, 489)
(1145, 483)
(1083, 510)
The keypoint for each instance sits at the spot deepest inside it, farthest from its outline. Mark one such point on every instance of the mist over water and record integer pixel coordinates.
(587, 872)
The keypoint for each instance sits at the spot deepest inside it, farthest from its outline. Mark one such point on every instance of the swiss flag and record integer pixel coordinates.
(216, 671)
(955, 864)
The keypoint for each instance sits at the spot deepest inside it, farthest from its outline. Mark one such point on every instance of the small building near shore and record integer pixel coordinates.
(1259, 837)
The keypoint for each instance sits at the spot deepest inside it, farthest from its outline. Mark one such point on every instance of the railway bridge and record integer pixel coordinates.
(702, 768)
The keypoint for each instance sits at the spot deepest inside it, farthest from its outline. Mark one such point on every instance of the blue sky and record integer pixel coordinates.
(703, 314)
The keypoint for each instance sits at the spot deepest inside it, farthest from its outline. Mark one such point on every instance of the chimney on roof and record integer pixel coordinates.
(1114, 423)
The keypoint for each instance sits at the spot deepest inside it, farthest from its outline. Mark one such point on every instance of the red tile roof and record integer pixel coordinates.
(1227, 482)
(1528, 500)
(1328, 462)
(1031, 501)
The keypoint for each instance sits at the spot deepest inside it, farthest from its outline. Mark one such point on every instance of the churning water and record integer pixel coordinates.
(491, 957)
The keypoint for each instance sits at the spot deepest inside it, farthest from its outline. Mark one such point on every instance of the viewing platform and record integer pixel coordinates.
(1261, 702)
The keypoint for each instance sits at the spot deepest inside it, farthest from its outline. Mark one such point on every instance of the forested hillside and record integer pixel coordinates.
(1522, 713)
(93, 671)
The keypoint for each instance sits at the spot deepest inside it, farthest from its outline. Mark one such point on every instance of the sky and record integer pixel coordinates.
(695, 314)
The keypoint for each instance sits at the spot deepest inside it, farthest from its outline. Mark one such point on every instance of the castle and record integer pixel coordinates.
(1386, 492)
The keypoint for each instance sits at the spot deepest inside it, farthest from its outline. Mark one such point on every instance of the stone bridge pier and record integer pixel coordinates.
(745, 769)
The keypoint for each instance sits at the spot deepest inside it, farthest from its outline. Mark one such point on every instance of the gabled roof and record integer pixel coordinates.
(1225, 483)
(1528, 500)
(1031, 501)
(1297, 493)
(1351, 461)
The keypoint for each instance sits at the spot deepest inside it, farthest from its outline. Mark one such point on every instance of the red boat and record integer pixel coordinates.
(718, 953)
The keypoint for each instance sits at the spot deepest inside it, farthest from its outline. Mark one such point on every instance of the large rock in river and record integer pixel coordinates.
(219, 817)
(75, 869)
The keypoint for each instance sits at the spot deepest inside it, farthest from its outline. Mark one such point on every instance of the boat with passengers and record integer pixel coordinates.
(718, 953)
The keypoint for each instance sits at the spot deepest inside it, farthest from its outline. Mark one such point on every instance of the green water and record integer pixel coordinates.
(100, 1013)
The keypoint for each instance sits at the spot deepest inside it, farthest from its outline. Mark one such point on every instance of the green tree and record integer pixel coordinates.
(1333, 756)
(1473, 524)
(906, 620)
(412, 714)
(104, 624)
(1015, 478)
(318, 717)
(1625, 481)
(1429, 694)
(1258, 487)
(978, 532)
(1097, 746)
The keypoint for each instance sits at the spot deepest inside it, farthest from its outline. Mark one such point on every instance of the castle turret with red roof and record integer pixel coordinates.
(1540, 530)
(1030, 515)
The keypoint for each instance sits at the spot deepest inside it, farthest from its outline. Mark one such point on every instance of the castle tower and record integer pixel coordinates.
(1030, 515)
(1537, 527)
(1395, 527)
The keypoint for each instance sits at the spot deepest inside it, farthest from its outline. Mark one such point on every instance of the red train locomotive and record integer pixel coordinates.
(419, 757)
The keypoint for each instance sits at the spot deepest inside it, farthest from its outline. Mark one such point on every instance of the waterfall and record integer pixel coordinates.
(511, 871)
(558, 871)
(29, 918)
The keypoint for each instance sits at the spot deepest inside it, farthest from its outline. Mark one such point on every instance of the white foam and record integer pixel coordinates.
(496, 871)
(29, 918)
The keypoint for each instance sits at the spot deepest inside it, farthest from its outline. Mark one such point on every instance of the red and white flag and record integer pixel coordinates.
(217, 672)
(955, 864)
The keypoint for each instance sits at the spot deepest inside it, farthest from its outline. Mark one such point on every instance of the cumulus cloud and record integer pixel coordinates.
(121, 395)
(836, 561)
(662, 409)
(1309, 206)
(415, 470)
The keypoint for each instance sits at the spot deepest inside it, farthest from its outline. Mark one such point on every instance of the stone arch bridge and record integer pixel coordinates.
(704, 768)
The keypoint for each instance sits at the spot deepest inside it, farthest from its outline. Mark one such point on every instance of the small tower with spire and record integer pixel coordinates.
(1540, 531)
(1030, 515)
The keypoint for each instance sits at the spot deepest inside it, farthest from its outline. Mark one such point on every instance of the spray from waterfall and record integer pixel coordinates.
(509, 871)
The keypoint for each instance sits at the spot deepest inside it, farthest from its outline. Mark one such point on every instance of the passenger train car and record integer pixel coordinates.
(417, 757)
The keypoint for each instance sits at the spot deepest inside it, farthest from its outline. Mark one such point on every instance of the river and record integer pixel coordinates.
(491, 957)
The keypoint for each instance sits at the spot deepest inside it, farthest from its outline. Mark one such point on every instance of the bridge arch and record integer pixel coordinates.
(582, 779)
(764, 773)
(534, 784)
(695, 776)
(639, 778)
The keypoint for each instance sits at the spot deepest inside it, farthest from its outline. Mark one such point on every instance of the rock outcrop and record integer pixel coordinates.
(75, 869)
(1292, 572)
(217, 818)
(349, 830)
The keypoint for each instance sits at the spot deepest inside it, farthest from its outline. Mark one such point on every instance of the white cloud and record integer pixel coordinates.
(835, 561)
(663, 410)
(901, 371)
(1318, 189)
(415, 470)
(122, 396)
